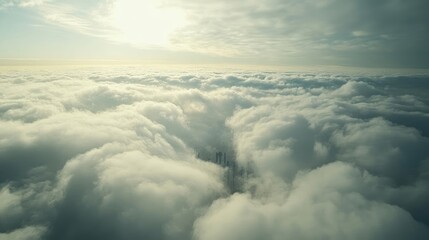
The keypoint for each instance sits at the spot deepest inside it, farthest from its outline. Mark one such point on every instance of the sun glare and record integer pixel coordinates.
(146, 23)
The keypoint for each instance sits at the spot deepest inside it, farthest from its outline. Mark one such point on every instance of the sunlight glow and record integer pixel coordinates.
(146, 23)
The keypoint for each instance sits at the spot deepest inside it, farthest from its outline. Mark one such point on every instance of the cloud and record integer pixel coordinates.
(332, 32)
(27, 233)
(137, 195)
(328, 202)
(365, 144)
(127, 153)
(311, 31)
(21, 3)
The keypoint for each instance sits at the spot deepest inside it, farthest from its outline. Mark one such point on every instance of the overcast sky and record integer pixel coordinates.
(360, 33)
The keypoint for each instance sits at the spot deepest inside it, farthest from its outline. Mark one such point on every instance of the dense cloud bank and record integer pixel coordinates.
(116, 153)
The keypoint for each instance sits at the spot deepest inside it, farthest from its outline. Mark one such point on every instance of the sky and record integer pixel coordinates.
(128, 153)
(355, 33)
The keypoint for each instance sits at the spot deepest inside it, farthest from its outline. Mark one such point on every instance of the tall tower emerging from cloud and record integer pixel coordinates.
(218, 158)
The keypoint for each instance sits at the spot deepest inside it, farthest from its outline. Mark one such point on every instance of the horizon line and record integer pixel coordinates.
(62, 62)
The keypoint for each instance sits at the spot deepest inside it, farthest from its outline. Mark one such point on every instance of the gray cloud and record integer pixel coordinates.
(358, 33)
(112, 154)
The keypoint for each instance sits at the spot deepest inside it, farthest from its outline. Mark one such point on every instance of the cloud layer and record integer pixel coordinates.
(116, 153)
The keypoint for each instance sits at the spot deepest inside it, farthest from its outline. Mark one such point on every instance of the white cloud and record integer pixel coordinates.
(359, 33)
(328, 202)
(111, 154)
(21, 3)
(26, 233)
